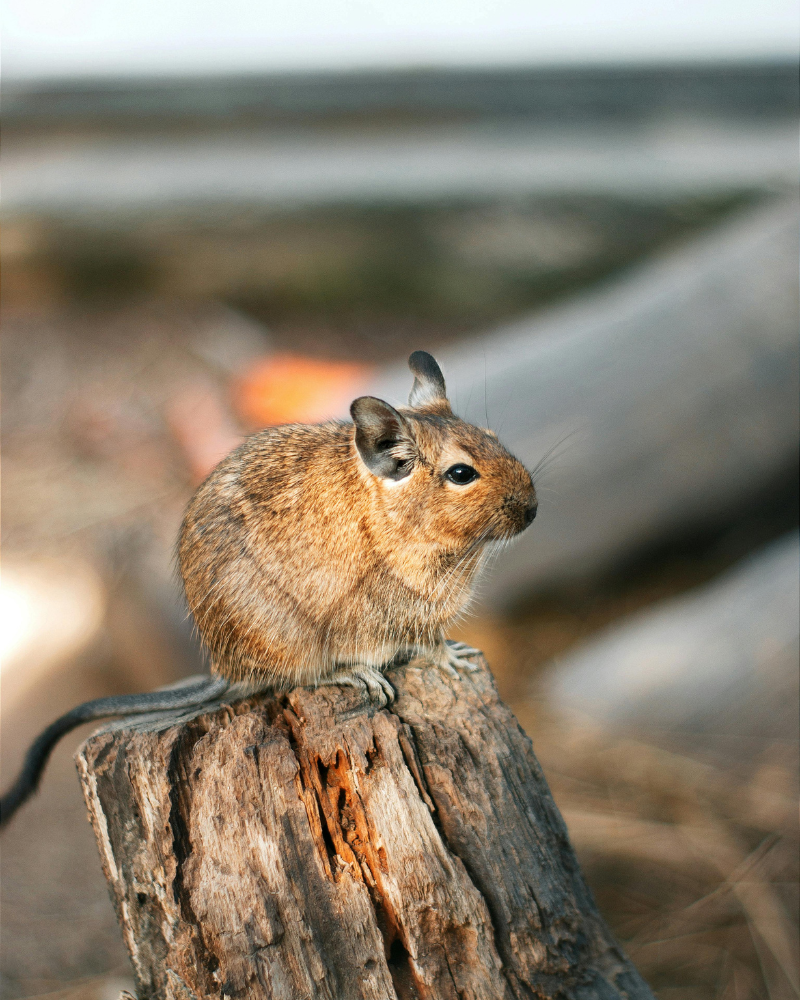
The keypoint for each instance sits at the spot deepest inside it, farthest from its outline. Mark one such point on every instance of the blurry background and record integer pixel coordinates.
(220, 216)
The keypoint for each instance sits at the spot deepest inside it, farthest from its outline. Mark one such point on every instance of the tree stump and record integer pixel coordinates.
(311, 846)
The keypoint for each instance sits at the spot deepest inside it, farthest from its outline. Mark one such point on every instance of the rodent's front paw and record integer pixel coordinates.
(457, 657)
(370, 680)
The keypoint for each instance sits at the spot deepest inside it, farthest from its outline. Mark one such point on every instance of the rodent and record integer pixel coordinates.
(321, 554)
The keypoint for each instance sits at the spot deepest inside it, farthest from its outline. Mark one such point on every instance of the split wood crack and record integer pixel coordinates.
(309, 846)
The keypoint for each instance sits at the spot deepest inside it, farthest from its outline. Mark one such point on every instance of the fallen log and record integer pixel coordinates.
(669, 394)
(715, 668)
(310, 846)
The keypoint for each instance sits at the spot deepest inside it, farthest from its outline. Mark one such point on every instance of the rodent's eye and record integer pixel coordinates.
(461, 474)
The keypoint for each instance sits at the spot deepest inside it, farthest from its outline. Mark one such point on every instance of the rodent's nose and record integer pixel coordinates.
(530, 512)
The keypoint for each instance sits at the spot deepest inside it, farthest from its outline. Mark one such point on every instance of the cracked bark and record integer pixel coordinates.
(310, 847)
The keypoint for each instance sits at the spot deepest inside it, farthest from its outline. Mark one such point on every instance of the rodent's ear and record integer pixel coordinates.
(429, 388)
(383, 438)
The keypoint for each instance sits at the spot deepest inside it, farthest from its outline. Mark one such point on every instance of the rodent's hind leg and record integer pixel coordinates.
(369, 679)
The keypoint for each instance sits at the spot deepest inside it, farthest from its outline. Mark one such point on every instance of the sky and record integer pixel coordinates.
(52, 38)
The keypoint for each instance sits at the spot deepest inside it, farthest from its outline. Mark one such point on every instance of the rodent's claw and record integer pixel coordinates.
(450, 657)
(462, 649)
(458, 654)
(369, 679)
(380, 689)
(448, 669)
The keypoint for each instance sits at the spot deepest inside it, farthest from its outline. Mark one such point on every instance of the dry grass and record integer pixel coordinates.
(695, 866)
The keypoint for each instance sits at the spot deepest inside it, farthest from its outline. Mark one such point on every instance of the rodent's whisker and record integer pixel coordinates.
(550, 456)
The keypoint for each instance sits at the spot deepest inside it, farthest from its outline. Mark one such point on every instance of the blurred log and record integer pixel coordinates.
(675, 387)
(308, 846)
(716, 667)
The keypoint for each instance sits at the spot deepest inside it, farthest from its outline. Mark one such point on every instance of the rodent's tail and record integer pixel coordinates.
(186, 696)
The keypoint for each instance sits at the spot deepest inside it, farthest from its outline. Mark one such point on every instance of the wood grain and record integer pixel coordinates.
(310, 846)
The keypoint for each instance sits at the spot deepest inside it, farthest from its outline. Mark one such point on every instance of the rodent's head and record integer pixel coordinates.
(450, 482)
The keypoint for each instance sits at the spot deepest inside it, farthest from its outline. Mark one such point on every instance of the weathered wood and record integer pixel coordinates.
(309, 846)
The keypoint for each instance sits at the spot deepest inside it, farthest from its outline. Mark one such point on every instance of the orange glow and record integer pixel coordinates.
(290, 388)
(201, 424)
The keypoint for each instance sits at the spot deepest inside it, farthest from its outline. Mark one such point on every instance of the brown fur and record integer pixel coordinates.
(298, 561)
